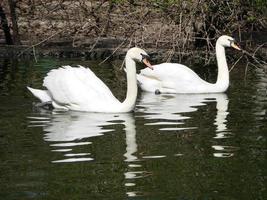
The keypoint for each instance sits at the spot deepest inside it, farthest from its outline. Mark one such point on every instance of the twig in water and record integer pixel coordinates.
(235, 63)
(93, 46)
(258, 48)
(35, 45)
(34, 54)
(113, 52)
(257, 60)
(123, 62)
(246, 70)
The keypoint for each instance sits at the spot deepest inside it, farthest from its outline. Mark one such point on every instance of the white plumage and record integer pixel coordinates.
(78, 88)
(171, 78)
(177, 78)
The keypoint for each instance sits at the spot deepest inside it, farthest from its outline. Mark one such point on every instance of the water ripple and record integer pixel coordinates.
(224, 151)
(172, 110)
(72, 129)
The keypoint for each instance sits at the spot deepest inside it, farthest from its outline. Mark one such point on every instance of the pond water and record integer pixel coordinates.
(207, 146)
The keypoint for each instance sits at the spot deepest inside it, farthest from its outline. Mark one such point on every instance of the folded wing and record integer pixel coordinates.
(78, 88)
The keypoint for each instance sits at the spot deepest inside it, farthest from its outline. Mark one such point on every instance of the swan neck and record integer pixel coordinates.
(223, 72)
(131, 95)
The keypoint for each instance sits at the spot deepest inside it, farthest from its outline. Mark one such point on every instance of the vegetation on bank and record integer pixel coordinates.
(177, 25)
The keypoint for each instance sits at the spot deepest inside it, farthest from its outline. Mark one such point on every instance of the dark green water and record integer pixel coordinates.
(172, 147)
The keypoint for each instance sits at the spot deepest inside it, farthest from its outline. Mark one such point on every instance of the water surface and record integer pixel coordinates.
(206, 146)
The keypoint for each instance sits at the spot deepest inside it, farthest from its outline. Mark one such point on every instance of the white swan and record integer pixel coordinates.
(177, 78)
(78, 88)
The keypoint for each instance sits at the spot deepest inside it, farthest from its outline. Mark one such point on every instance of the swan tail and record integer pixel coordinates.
(42, 95)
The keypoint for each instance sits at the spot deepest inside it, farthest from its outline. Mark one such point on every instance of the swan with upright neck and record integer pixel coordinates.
(177, 78)
(79, 89)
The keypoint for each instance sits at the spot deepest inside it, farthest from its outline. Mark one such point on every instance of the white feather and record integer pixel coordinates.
(42, 95)
(78, 88)
(177, 78)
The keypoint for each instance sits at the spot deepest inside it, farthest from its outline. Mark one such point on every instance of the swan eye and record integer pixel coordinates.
(231, 41)
(144, 56)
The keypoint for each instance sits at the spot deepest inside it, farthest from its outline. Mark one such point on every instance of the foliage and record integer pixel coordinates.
(178, 25)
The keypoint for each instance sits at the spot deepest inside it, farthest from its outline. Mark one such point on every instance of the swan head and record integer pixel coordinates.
(227, 41)
(139, 55)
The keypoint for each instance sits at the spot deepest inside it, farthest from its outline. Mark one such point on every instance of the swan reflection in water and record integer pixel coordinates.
(170, 112)
(65, 131)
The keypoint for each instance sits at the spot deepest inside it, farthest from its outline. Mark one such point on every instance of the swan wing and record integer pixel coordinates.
(170, 71)
(172, 78)
(78, 88)
(42, 95)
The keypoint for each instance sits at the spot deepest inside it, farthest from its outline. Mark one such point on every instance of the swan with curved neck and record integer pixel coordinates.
(79, 89)
(177, 78)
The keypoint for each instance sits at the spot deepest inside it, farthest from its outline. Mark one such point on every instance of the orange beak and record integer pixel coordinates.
(235, 46)
(147, 63)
